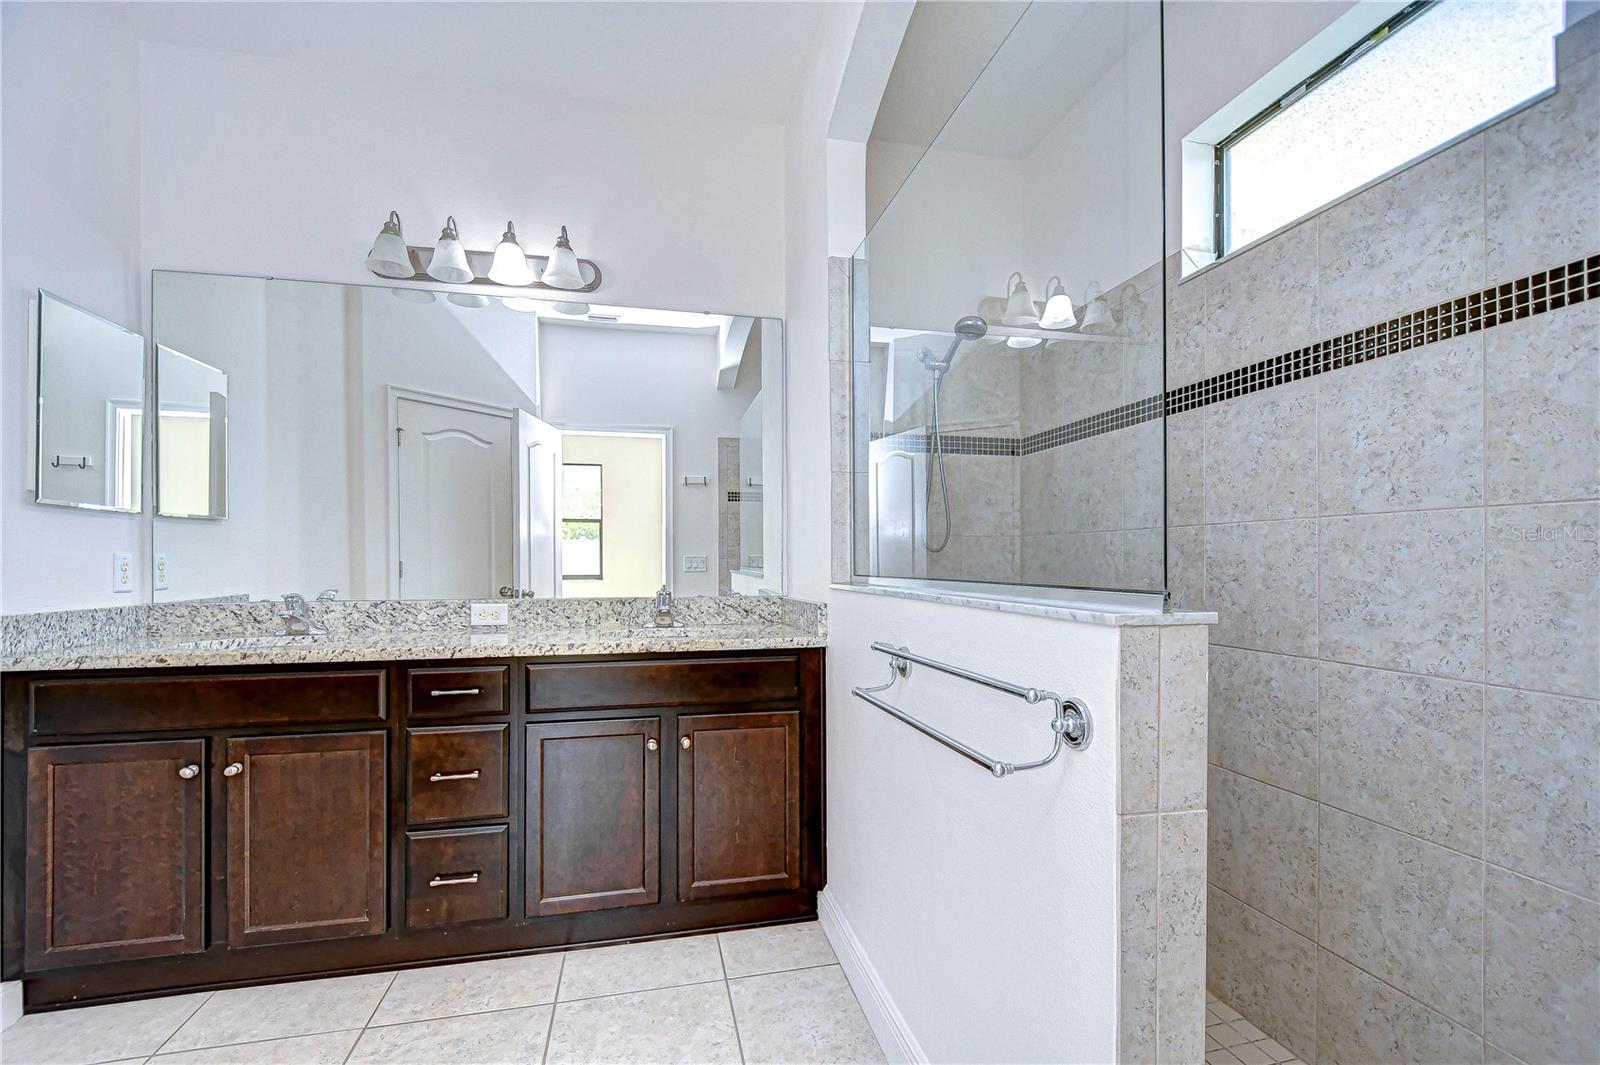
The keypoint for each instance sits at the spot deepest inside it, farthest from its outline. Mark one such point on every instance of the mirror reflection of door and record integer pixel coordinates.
(455, 495)
(613, 513)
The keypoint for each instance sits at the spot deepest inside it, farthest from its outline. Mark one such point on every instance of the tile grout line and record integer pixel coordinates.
(727, 990)
(555, 1001)
(186, 1020)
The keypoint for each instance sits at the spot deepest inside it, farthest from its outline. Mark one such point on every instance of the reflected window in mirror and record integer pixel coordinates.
(90, 409)
(191, 437)
(582, 521)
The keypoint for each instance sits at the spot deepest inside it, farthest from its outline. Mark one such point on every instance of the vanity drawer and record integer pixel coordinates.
(85, 705)
(671, 682)
(464, 691)
(456, 875)
(456, 773)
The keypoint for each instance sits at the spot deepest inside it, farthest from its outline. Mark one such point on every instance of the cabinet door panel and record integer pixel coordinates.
(116, 844)
(738, 804)
(594, 832)
(306, 837)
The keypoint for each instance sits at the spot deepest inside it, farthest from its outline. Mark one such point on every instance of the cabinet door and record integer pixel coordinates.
(594, 801)
(115, 853)
(306, 837)
(738, 804)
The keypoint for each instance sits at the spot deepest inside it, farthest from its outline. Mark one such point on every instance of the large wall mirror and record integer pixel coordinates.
(89, 437)
(402, 443)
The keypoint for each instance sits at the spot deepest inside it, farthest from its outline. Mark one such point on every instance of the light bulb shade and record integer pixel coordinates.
(1058, 313)
(577, 310)
(1019, 305)
(562, 269)
(1097, 317)
(510, 266)
(468, 299)
(1019, 343)
(449, 262)
(389, 256)
(520, 303)
(413, 295)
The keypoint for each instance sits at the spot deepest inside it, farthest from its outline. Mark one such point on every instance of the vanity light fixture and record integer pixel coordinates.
(468, 299)
(571, 309)
(413, 295)
(520, 303)
(562, 269)
(1019, 304)
(1020, 343)
(389, 256)
(1058, 311)
(1097, 316)
(449, 263)
(510, 266)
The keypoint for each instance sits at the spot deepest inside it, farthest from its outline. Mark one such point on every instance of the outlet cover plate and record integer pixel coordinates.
(122, 571)
(489, 614)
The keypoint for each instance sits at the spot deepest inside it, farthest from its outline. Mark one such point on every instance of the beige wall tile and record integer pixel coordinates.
(1542, 970)
(1264, 970)
(1362, 1020)
(1544, 597)
(1138, 709)
(1261, 579)
(1263, 848)
(1182, 767)
(1139, 845)
(1261, 455)
(1263, 301)
(1181, 939)
(1263, 717)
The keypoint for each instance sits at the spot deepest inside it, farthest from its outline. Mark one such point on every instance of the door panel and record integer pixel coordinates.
(738, 804)
(456, 498)
(116, 852)
(306, 837)
(593, 815)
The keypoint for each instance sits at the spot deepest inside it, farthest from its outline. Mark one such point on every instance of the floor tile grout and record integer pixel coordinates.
(727, 990)
(550, 1025)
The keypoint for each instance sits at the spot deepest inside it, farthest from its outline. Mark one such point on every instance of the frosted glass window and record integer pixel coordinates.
(1451, 66)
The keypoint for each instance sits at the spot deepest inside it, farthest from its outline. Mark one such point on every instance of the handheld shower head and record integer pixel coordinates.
(970, 327)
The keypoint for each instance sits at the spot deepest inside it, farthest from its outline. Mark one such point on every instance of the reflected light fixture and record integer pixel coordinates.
(413, 295)
(521, 304)
(1023, 342)
(1058, 312)
(510, 266)
(1097, 317)
(449, 263)
(468, 299)
(567, 307)
(1019, 304)
(562, 269)
(389, 257)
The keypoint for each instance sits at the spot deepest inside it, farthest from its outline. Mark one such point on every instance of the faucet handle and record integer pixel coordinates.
(294, 602)
(327, 595)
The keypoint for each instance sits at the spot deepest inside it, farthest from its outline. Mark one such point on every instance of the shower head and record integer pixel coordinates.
(970, 327)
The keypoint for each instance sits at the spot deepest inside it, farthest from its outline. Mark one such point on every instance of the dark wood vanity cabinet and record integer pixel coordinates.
(190, 828)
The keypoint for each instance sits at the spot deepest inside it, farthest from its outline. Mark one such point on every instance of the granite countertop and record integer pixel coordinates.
(147, 652)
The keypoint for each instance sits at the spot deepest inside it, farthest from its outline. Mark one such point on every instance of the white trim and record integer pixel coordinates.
(10, 1003)
(664, 432)
(889, 1025)
(396, 393)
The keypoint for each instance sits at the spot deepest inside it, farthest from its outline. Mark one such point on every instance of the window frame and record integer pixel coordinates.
(1219, 165)
(598, 523)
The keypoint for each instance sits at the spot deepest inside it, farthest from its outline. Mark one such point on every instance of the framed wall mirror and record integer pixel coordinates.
(89, 429)
(369, 442)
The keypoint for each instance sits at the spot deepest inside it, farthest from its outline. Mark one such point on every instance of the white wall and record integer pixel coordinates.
(987, 907)
(593, 378)
(69, 223)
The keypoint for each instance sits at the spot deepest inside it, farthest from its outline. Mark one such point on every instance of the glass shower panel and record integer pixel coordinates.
(1001, 436)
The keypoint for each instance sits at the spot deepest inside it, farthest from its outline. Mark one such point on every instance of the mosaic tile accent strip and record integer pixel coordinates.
(1539, 293)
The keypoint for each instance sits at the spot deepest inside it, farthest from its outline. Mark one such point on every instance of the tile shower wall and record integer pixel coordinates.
(1404, 788)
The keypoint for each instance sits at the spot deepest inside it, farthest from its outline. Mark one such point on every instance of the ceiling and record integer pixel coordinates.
(744, 60)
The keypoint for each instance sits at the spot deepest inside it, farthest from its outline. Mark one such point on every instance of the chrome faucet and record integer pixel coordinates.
(296, 617)
(663, 610)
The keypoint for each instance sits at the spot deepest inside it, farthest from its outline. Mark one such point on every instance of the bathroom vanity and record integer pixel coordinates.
(237, 823)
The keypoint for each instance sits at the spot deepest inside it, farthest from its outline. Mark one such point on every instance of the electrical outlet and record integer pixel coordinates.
(121, 571)
(160, 577)
(489, 614)
(694, 563)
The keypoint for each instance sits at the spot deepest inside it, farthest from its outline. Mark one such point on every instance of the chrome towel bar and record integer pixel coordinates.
(1071, 726)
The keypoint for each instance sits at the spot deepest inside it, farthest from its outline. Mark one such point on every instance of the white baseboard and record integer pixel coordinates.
(10, 1003)
(894, 1035)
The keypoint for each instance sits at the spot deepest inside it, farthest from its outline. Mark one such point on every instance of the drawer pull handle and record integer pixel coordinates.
(437, 692)
(189, 772)
(471, 774)
(452, 881)
(651, 745)
(234, 769)
(686, 743)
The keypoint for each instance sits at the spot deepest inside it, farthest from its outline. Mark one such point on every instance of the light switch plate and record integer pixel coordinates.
(121, 571)
(159, 578)
(489, 614)
(694, 563)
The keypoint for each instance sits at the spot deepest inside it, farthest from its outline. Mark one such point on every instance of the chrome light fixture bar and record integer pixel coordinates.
(449, 261)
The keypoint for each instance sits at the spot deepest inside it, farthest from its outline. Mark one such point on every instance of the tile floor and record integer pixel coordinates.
(759, 995)
(1232, 1040)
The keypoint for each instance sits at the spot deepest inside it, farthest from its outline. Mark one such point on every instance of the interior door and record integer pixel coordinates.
(456, 505)
(539, 561)
(116, 852)
(307, 844)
